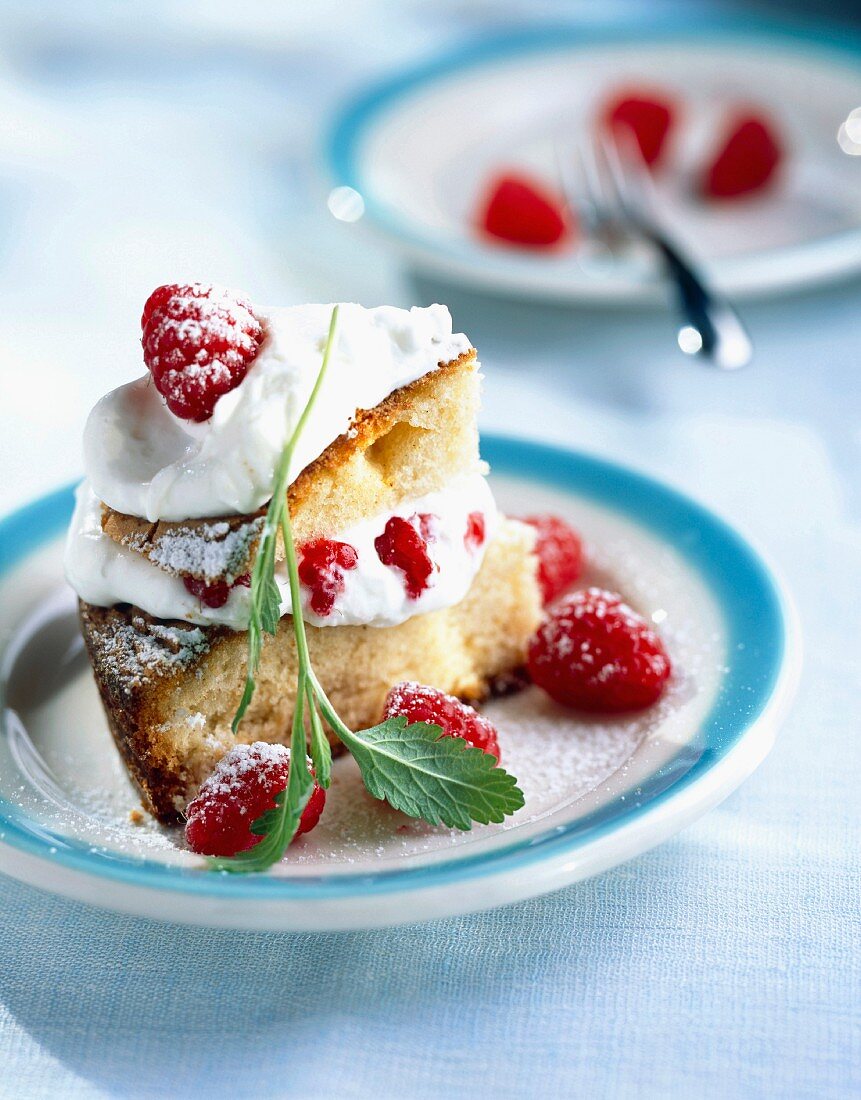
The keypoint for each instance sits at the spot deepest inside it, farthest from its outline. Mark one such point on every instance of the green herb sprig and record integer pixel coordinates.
(442, 780)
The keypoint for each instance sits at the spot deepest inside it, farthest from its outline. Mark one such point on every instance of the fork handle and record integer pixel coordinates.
(724, 340)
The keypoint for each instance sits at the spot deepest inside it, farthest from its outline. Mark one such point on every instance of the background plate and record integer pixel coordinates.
(421, 146)
(598, 791)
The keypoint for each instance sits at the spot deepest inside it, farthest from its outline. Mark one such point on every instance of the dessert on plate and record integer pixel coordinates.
(407, 571)
(286, 547)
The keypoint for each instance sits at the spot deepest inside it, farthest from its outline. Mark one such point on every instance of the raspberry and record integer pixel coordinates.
(241, 789)
(198, 343)
(214, 595)
(747, 160)
(426, 525)
(520, 211)
(322, 563)
(595, 653)
(418, 703)
(476, 531)
(646, 115)
(404, 545)
(560, 554)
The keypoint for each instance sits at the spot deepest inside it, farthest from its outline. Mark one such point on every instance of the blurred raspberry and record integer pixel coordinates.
(646, 115)
(747, 161)
(522, 212)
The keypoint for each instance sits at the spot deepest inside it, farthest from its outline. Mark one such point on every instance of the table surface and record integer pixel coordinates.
(139, 150)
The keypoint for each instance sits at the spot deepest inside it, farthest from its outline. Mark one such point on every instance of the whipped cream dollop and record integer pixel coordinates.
(142, 460)
(104, 573)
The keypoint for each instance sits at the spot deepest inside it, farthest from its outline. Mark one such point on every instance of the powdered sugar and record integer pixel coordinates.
(140, 651)
(241, 761)
(210, 552)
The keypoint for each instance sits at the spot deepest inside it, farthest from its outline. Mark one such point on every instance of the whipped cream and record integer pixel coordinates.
(105, 573)
(374, 593)
(142, 460)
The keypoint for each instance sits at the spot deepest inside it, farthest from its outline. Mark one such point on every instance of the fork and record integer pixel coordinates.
(614, 196)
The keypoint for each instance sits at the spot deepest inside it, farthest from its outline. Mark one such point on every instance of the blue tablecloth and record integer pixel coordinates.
(725, 963)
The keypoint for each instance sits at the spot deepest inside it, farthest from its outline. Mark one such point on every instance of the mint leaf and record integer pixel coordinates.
(440, 779)
(270, 606)
(277, 827)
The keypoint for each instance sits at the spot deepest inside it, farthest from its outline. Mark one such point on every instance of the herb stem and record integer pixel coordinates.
(321, 750)
(328, 711)
(283, 471)
(295, 591)
(411, 766)
(309, 404)
(286, 526)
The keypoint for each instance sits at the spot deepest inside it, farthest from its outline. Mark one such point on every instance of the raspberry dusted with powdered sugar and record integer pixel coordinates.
(198, 343)
(560, 554)
(418, 703)
(404, 545)
(322, 564)
(241, 789)
(595, 653)
(217, 593)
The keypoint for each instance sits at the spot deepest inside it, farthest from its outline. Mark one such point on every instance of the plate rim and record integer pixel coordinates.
(769, 270)
(655, 505)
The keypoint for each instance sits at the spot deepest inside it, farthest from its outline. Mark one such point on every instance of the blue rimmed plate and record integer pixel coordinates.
(597, 791)
(421, 147)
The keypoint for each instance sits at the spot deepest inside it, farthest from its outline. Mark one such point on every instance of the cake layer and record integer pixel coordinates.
(370, 592)
(170, 689)
(415, 442)
(144, 461)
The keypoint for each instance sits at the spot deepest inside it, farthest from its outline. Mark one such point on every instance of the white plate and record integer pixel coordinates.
(421, 147)
(598, 791)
